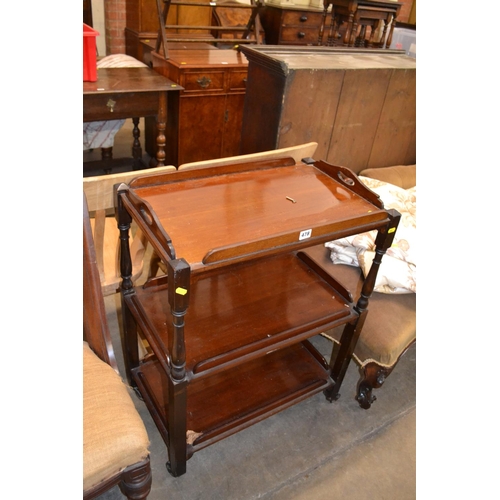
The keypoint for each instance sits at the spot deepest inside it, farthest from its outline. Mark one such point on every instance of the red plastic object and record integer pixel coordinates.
(89, 54)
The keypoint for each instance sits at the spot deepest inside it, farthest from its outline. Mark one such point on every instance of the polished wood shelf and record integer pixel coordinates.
(259, 389)
(243, 312)
(218, 216)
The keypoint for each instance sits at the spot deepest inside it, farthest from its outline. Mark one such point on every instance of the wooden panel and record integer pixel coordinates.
(309, 109)
(200, 127)
(358, 115)
(233, 118)
(293, 98)
(262, 110)
(193, 16)
(395, 141)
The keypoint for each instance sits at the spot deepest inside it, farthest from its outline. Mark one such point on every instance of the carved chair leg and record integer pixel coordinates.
(373, 376)
(136, 481)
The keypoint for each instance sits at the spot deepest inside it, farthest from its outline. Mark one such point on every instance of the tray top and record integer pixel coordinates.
(212, 218)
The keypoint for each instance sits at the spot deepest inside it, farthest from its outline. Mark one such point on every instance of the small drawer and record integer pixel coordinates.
(207, 81)
(117, 106)
(300, 35)
(298, 18)
(238, 80)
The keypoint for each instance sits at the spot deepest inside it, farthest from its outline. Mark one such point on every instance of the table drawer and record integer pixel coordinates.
(302, 35)
(206, 81)
(117, 106)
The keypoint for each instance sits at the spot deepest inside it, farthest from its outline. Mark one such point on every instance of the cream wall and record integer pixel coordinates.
(98, 21)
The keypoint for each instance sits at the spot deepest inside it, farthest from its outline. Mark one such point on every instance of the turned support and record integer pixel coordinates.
(161, 125)
(130, 347)
(350, 335)
(179, 273)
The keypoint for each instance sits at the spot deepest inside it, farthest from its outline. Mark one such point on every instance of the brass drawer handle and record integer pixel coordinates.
(204, 82)
(111, 105)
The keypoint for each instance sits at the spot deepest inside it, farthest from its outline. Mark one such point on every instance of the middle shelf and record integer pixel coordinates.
(245, 311)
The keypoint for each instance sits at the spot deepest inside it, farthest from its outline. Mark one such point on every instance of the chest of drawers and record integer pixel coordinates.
(292, 26)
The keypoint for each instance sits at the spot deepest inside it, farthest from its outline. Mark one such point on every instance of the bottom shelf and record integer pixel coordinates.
(225, 403)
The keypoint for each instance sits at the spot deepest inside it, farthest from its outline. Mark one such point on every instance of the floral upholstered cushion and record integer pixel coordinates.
(398, 271)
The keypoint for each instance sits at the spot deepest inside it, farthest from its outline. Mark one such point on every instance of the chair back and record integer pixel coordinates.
(95, 325)
(99, 193)
(295, 152)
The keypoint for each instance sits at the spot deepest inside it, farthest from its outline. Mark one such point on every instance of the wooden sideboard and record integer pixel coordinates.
(359, 105)
(208, 123)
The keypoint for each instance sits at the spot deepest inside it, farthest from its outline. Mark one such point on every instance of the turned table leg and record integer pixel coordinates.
(161, 125)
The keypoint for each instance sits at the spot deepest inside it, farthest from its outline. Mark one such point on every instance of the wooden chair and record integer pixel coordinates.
(115, 440)
(295, 152)
(99, 193)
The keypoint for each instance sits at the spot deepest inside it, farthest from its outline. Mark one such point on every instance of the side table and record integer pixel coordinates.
(131, 93)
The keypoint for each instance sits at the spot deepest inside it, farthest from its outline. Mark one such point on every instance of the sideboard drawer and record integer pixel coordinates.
(238, 80)
(205, 81)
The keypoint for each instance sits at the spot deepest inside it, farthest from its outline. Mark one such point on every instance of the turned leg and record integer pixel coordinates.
(107, 153)
(161, 125)
(178, 272)
(136, 481)
(130, 347)
(360, 39)
(332, 35)
(391, 31)
(347, 35)
(322, 25)
(136, 145)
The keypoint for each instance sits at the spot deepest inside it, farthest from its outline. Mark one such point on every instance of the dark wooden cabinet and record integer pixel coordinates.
(292, 25)
(209, 119)
(359, 106)
(230, 321)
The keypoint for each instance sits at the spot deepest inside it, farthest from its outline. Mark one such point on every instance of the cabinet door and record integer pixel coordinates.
(201, 127)
(233, 119)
